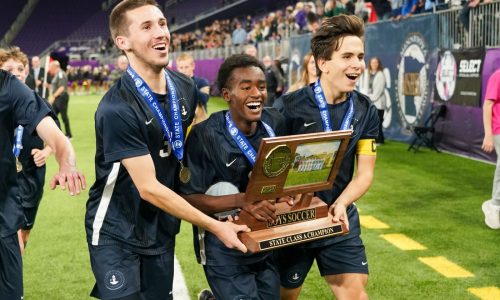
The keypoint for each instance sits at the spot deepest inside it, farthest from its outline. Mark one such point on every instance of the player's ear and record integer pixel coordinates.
(122, 43)
(321, 64)
(226, 94)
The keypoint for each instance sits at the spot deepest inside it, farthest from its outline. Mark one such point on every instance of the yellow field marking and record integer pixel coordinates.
(447, 268)
(371, 222)
(402, 241)
(486, 293)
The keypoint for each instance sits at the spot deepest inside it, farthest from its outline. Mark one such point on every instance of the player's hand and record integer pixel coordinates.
(488, 143)
(70, 176)
(290, 200)
(261, 210)
(40, 156)
(227, 233)
(51, 99)
(339, 212)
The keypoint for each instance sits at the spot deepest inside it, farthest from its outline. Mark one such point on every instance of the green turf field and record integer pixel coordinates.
(432, 198)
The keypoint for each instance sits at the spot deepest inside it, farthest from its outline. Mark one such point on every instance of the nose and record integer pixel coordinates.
(255, 92)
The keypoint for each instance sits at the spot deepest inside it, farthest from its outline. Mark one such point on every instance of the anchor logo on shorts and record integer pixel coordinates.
(294, 277)
(114, 280)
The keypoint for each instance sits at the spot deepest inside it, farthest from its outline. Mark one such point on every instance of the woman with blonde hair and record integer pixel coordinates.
(308, 73)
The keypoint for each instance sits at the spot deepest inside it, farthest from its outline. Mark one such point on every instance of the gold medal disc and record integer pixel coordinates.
(19, 166)
(184, 174)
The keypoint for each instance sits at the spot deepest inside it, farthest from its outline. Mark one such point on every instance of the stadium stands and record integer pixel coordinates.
(8, 13)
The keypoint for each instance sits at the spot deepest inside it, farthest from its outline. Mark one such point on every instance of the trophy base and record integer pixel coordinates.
(273, 238)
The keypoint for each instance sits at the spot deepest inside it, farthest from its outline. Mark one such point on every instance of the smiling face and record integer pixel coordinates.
(147, 38)
(346, 65)
(16, 68)
(246, 94)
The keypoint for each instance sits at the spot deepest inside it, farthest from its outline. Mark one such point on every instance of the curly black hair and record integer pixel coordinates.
(233, 62)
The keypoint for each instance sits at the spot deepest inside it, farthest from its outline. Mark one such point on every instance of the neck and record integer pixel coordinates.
(154, 77)
(246, 127)
(332, 95)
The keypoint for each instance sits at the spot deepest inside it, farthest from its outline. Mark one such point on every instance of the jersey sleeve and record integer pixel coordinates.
(121, 134)
(28, 108)
(198, 161)
(370, 131)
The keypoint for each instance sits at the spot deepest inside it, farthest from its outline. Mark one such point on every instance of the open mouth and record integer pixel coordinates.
(352, 76)
(160, 47)
(254, 106)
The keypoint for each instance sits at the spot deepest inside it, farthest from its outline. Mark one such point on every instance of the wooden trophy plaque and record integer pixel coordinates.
(288, 166)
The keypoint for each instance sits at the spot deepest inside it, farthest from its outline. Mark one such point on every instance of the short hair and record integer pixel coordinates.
(329, 36)
(233, 62)
(184, 57)
(118, 22)
(14, 53)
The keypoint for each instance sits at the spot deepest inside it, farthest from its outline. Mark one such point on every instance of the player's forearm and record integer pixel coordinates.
(213, 204)
(361, 182)
(60, 145)
(170, 202)
(58, 92)
(487, 112)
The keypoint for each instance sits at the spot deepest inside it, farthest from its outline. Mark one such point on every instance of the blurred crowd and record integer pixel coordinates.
(305, 17)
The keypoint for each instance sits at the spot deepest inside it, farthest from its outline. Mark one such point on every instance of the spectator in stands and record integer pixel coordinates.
(465, 12)
(373, 84)
(250, 50)
(274, 80)
(38, 73)
(59, 97)
(309, 75)
(382, 9)
(186, 65)
(334, 8)
(301, 11)
(119, 70)
(491, 141)
(239, 35)
(407, 10)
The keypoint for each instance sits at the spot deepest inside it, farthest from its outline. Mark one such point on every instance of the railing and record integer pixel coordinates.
(484, 30)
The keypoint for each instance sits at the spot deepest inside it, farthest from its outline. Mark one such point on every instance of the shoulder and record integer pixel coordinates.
(116, 102)
(272, 116)
(180, 78)
(210, 128)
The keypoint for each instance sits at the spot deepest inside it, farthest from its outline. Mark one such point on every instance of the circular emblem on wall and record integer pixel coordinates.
(114, 280)
(277, 161)
(446, 76)
(412, 84)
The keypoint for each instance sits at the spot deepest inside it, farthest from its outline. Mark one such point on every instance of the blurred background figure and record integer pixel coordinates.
(274, 80)
(59, 97)
(308, 73)
(119, 70)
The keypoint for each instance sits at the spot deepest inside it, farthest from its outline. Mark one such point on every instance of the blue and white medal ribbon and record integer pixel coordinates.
(319, 96)
(175, 135)
(18, 145)
(242, 141)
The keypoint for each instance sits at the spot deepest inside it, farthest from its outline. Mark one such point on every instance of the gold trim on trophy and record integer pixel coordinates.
(277, 161)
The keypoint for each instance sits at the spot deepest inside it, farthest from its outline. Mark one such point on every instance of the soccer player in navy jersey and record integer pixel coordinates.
(32, 155)
(221, 170)
(20, 105)
(331, 104)
(132, 213)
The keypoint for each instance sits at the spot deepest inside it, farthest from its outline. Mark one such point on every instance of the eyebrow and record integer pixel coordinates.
(250, 81)
(152, 21)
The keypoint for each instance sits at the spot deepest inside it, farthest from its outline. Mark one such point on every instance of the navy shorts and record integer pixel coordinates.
(120, 272)
(259, 280)
(11, 268)
(347, 256)
(29, 217)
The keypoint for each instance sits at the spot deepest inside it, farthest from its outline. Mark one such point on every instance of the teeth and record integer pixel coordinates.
(253, 103)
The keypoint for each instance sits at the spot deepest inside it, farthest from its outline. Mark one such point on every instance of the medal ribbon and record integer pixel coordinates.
(242, 141)
(18, 145)
(174, 136)
(319, 96)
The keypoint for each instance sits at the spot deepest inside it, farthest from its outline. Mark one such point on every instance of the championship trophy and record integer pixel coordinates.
(288, 166)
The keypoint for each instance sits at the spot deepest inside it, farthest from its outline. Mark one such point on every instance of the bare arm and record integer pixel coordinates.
(205, 90)
(65, 156)
(488, 134)
(355, 189)
(142, 172)
(56, 94)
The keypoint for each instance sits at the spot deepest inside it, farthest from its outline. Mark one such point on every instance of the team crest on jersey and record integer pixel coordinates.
(114, 280)
(412, 92)
(184, 109)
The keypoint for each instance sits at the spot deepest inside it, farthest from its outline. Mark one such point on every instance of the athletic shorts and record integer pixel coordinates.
(120, 272)
(347, 256)
(259, 280)
(29, 217)
(11, 268)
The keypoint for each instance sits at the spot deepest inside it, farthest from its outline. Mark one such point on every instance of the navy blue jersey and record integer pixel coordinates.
(200, 82)
(213, 156)
(302, 115)
(126, 127)
(18, 106)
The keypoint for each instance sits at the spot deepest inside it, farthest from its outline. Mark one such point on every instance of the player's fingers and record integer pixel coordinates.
(71, 184)
(240, 246)
(76, 181)
(83, 181)
(53, 182)
(62, 181)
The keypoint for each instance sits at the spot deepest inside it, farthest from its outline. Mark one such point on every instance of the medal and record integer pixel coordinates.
(184, 174)
(19, 166)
